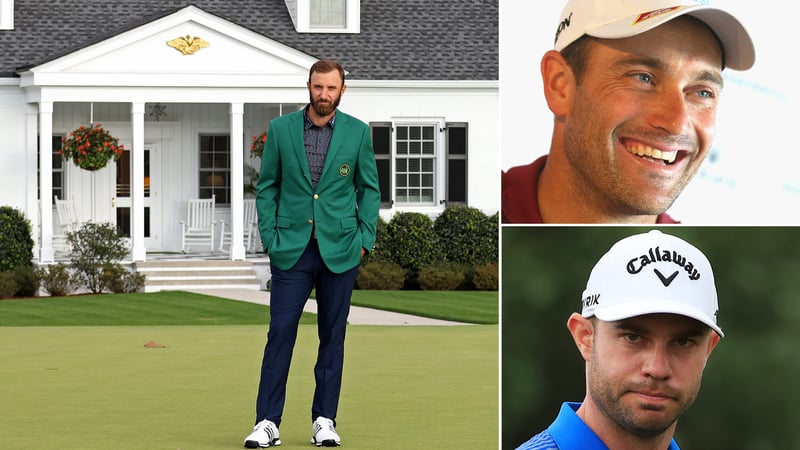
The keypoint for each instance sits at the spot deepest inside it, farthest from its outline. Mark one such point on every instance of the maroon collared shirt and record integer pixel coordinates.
(519, 201)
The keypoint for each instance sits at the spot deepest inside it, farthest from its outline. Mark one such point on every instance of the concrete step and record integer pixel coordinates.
(191, 274)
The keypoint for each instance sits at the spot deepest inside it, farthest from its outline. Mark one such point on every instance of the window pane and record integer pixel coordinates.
(214, 176)
(206, 159)
(384, 176)
(416, 151)
(328, 13)
(221, 160)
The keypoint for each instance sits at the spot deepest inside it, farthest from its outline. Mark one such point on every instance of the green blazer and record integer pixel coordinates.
(343, 207)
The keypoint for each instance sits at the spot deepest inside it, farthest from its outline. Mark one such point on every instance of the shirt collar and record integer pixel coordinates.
(309, 122)
(570, 432)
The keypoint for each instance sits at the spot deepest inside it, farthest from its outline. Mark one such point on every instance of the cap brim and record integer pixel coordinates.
(739, 50)
(627, 310)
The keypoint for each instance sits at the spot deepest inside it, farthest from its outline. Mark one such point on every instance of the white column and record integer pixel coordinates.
(237, 181)
(46, 253)
(138, 250)
(33, 208)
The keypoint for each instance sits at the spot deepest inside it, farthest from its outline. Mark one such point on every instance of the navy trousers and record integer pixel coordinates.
(290, 290)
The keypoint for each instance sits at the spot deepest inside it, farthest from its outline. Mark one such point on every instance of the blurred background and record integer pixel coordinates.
(750, 397)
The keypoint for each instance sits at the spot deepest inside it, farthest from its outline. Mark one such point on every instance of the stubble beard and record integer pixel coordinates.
(593, 159)
(624, 415)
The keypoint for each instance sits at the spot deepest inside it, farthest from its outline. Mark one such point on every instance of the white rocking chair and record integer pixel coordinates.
(198, 228)
(251, 237)
(68, 221)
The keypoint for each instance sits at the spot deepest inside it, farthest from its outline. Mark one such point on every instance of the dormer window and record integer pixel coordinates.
(328, 14)
(325, 16)
(6, 14)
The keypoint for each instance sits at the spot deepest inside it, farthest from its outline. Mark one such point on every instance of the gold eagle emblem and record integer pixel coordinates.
(188, 45)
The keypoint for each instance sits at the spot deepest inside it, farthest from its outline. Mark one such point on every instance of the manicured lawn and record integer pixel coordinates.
(157, 308)
(76, 373)
(459, 306)
(185, 308)
(100, 388)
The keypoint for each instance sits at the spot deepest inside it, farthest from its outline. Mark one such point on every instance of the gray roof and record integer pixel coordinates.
(399, 39)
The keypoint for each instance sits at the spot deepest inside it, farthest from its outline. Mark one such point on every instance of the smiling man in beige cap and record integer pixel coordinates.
(634, 87)
(647, 327)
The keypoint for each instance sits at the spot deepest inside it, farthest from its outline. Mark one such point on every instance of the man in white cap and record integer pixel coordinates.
(634, 86)
(646, 330)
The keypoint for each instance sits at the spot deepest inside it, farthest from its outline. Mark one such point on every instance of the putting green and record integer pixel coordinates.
(101, 388)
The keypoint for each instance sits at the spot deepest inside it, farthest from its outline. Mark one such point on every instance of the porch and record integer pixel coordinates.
(188, 152)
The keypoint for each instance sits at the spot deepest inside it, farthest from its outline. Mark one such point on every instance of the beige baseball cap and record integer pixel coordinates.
(616, 19)
(652, 273)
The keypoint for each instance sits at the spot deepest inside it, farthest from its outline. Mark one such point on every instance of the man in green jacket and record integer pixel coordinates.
(317, 201)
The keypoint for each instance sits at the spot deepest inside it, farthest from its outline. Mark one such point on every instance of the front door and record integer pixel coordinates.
(152, 200)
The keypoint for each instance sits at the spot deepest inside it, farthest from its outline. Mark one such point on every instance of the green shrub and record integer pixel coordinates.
(467, 235)
(16, 244)
(442, 277)
(8, 284)
(57, 279)
(485, 277)
(410, 241)
(119, 280)
(381, 275)
(27, 281)
(94, 246)
(379, 251)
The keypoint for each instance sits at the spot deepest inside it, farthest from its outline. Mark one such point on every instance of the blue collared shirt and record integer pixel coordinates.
(569, 432)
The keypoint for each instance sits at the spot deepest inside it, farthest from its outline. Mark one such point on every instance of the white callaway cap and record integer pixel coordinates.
(616, 19)
(652, 273)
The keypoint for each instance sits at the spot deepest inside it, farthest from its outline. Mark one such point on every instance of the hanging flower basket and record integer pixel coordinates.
(257, 146)
(91, 148)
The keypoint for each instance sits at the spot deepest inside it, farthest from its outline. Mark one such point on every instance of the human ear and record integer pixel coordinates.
(712, 342)
(559, 82)
(582, 331)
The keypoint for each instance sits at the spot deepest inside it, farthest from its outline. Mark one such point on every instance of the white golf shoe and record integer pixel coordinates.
(324, 434)
(265, 434)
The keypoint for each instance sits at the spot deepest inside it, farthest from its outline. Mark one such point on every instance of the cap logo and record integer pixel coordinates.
(666, 281)
(649, 15)
(654, 255)
(563, 26)
(591, 300)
